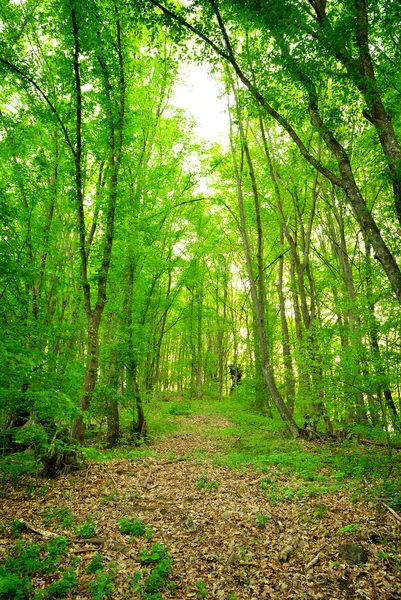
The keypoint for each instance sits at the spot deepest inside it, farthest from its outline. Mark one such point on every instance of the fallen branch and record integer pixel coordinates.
(170, 462)
(97, 541)
(48, 535)
(313, 562)
(109, 474)
(392, 512)
(366, 442)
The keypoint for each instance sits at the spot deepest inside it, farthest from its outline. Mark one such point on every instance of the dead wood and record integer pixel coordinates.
(392, 512)
(96, 541)
(313, 562)
(366, 442)
(48, 535)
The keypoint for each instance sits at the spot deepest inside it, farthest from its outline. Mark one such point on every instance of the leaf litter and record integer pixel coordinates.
(225, 538)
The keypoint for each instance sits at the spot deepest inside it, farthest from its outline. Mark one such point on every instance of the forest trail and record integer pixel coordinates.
(224, 538)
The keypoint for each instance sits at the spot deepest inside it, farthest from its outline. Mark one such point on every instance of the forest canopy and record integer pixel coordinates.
(138, 260)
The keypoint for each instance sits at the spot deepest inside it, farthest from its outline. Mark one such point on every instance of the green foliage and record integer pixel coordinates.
(33, 436)
(204, 483)
(261, 521)
(103, 586)
(350, 528)
(16, 527)
(157, 553)
(28, 560)
(67, 583)
(13, 586)
(86, 529)
(201, 589)
(133, 527)
(13, 470)
(158, 564)
(96, 564)
(157, 577)
(109, 497)
(180, 410)
(57, 517)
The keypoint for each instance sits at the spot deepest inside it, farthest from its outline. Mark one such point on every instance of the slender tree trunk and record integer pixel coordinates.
(266, 367)
(115, 153)
(289, 371)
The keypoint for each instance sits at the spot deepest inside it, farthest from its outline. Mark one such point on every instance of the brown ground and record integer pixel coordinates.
(212, 534)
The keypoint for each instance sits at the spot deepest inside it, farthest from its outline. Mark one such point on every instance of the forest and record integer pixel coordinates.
(200, 340)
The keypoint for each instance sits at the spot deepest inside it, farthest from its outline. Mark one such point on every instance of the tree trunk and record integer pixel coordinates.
(257, 301)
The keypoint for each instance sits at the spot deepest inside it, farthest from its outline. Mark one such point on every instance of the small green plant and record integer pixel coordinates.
(27, 560)
(242, 577)
(96, 564)
(57, 517)
(348, 528)
(261, 521)
(158, 575)
(231, 596)
(109, 497)
(206, 484)
(319, 511)
(35, 491)
(201, 588)
(67, 583)
(86, 529)
(16, 527)
(157, 553)
(158, 563)
(103, 585)
(133, 527)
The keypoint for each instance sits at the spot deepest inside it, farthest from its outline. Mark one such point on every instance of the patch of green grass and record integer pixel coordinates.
(261, 521)
(204, 483)
(180, 410)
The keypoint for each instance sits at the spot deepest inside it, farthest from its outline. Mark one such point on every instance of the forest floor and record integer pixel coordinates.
(223, 538)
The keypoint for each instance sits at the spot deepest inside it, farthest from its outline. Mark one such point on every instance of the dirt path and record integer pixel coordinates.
(224, 538)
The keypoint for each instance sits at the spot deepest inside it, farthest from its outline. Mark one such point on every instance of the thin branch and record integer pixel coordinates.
(45, 97)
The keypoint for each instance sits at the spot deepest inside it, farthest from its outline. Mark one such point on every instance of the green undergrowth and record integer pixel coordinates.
(254, 441)
(46, 570)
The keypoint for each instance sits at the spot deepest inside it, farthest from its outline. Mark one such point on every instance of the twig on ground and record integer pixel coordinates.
(392, 512)
(258, 480)
(109, 474)
(170, 462)
(48, 535)
(96, 541)
(313, 562)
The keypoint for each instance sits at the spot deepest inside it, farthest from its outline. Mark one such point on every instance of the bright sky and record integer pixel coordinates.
(198, 94)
